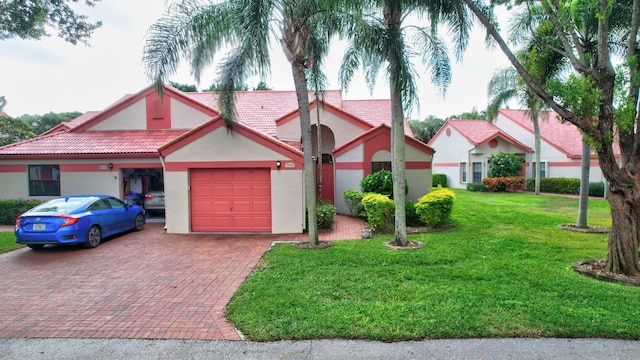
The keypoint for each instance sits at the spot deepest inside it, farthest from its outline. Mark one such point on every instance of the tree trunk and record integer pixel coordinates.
(393, 19)
(622, 251)
(537, 146)
(300, 82)
(398, 169)
(584, 184)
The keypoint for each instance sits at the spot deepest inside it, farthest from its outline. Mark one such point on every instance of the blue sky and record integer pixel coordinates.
(51, 75)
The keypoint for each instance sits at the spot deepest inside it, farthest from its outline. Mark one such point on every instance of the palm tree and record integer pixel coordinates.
(504, 85)
(382, 40)
(196, 30)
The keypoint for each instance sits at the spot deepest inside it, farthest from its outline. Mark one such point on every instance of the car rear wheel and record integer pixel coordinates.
(36, 246)
(94, 235)
(139, 223)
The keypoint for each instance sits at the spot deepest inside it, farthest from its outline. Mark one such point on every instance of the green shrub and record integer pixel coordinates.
(439, 179)
(325, 213)
(412, 217)
(477, 187)
(380, 209)
(353, 199)
(435, 208)
(596, 189)
(505, 164)
(380, 182)
(556, 185)
(508, 184)
(11, 209)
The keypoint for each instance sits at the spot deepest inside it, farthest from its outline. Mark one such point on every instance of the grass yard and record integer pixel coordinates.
(8, 242)
(502, 270)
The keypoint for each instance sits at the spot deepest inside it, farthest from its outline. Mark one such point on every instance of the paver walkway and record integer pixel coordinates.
(142, 285)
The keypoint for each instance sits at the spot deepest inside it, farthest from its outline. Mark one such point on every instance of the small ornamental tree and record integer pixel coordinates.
(505, 164)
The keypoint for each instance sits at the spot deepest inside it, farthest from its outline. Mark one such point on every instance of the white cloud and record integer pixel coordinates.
(51, 75)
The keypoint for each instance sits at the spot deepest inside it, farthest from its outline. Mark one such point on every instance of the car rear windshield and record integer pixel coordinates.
(60, 205)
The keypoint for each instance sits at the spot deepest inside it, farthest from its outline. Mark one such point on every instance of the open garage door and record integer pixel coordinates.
(230, 200)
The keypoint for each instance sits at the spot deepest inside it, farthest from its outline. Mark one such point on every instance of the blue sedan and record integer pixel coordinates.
(78, 219)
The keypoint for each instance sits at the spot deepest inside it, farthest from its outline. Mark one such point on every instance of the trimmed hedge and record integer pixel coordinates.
(556, 185)
(434, 208)
(477, 187)
(11, 209)
(596, 189)
(380, 210)
(439, 180)
(412, 217)
(508, 184)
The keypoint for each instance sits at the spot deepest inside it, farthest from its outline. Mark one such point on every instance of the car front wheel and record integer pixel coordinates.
(94, 235)
(139, 223)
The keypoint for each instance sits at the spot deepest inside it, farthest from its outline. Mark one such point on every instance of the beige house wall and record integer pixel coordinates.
(343, 130)
(122, 120)
(186, 117)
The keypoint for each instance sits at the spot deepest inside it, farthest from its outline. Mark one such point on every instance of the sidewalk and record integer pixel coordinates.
(520, 349)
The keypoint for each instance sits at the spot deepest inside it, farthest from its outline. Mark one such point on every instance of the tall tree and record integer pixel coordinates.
(31, 19)
(381, 40)
(593, 91)
(197, 30)
(13, 130)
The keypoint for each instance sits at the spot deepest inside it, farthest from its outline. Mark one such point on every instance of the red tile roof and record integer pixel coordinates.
(563, 136)
(479, 132)
(260, 109)
(94, 143)
(257, 109)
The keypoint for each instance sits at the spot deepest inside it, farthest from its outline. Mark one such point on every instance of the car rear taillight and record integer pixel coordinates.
(18, 221)
(148, 197)
(68, 220)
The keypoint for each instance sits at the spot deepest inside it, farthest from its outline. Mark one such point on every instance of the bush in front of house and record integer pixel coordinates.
(11, 209)
(508, 184)
(477, 187)
(556, 185)
(412, 217)
(435, 208)
(380, 209)
(596, 189)
(439, 180)
(380, 182)
(504, 164)
(325, 213)
(353, 199)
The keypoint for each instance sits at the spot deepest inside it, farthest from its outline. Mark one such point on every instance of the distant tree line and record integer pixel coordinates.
(25, 127)
(425, 129)
(215, 87)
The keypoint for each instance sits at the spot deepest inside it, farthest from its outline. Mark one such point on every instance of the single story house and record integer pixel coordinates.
(246, 179)
(464, 147)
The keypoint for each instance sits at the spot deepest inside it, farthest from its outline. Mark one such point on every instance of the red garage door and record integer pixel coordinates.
(230, 200)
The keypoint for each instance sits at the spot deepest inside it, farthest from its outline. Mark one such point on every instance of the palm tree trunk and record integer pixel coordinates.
(584, 185)
(398, 168)
(300, 82)
(536, 131)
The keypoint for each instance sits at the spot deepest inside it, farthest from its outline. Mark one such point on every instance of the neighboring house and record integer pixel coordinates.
(463, 149)
(246, 179)
(464, 146)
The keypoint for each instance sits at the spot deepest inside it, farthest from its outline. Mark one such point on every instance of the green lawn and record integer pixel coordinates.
(503, 270)
(8, 242)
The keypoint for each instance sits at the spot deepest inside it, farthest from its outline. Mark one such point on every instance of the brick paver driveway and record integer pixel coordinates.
(144, 284)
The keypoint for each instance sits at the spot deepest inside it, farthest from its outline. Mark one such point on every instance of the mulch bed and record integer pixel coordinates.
(590, 229)
(596, 269)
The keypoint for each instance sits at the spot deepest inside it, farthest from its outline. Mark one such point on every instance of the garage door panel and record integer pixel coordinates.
(231, 200)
